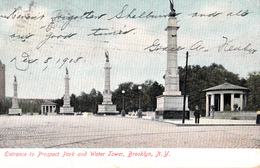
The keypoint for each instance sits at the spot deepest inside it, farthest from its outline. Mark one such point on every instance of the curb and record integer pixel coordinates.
(192, 125)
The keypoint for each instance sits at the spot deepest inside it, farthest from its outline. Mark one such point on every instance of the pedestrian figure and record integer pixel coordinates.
(197, 114)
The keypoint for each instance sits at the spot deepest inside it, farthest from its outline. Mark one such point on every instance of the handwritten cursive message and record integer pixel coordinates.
(58, 26)
(199, 46)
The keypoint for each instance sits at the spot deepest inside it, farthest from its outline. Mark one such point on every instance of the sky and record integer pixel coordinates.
(76, 34)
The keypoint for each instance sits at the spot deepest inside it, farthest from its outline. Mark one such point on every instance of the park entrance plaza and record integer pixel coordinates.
(94, 131)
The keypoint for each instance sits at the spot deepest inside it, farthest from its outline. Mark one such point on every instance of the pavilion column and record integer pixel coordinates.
(241, 102)
(245, 101)
(221, 102)
(232, 101)
(41, 109)
(207, 105)
(212, 100)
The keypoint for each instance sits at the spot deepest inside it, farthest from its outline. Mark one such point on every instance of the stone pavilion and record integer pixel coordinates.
(226, 97)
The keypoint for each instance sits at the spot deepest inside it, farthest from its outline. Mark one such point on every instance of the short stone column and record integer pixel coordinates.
(245, 101)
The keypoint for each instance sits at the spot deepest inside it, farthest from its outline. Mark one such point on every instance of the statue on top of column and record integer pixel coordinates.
(172, 13)
(107, 56)
(14, 78)
(67, 71)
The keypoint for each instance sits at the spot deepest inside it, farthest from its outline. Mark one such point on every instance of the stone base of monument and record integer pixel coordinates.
(107, 109)
(171, 107)
(52, 114)
(66, 111)
(13, 111)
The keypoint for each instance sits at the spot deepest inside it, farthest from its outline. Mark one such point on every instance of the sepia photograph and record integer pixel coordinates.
(130, 83)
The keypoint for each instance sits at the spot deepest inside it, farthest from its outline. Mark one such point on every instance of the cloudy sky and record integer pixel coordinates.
(38, 39)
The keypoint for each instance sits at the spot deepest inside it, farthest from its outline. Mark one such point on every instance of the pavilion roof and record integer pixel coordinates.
(49, 103)
(226, 86)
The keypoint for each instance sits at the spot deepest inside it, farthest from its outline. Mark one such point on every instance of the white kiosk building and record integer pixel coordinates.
(48, 108)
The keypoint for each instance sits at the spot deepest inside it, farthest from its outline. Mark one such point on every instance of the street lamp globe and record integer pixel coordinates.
(123, 91)
(139, 87)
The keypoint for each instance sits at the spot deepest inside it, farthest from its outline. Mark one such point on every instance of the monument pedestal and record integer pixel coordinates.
(67, 110)
(107, 109)
(171, 107)
(15, 111)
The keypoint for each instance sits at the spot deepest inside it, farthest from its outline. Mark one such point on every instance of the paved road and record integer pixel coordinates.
(117, 132)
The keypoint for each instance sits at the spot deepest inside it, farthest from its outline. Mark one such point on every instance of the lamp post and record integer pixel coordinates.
(31, 107)
(139, 114)
(95, 106)
(123, 104)
(185, 81)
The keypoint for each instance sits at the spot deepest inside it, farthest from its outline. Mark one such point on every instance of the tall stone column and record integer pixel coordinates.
(2, 83)
(171, 73)
(15, 97)
(67, 109)
(15, 107)
(170, 104)
(107, 106)
(107, 93)
(67, 91)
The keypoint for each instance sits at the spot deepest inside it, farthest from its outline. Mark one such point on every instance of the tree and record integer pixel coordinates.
(253, 83)
(200, 78)
(129, 95)
(74, 102)
(5, 105)
(83, 102)
(155, 89)
(59, 103)
(93, 100)
(149, 92)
